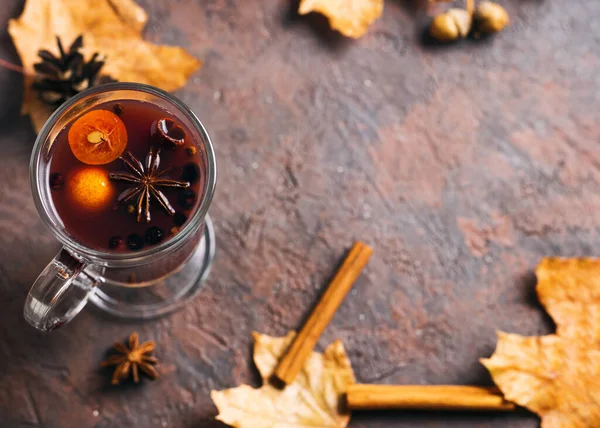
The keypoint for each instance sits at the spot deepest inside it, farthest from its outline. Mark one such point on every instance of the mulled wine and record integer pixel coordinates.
(125, 176)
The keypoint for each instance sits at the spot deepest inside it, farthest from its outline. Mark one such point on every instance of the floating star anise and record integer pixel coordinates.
(132, 359)
(147, 180)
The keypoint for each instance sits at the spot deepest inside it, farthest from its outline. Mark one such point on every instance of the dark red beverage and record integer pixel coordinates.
(125, 176)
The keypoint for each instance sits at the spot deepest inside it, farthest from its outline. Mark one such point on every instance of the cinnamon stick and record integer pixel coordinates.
(426, 397)
(305, 340)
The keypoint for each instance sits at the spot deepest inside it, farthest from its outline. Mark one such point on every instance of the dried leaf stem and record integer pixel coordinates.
(14, 67)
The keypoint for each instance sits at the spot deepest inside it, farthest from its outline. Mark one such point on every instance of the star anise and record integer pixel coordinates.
(132, 359)
(147, 180)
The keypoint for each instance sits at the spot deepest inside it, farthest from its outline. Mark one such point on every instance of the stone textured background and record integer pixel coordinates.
(462, 166)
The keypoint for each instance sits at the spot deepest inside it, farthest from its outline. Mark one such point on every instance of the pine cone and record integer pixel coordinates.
(60, 78)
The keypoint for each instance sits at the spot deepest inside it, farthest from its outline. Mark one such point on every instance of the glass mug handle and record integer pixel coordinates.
(58, 293)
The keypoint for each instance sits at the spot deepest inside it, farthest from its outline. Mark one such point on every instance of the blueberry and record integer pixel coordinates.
(179, 219)
(116, 243)
(135, 242)
(118, 109)
(154, 235)
(187, 199)
(191, 172)
(57, 181)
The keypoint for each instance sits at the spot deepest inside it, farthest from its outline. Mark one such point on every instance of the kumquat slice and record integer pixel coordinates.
(98, 137)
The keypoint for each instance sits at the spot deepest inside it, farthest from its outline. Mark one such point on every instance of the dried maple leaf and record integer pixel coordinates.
(110, 27)
(312, 400)
(557, 376)
(352, 18)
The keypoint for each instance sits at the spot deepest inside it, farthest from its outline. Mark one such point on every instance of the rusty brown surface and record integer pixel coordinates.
(461, 166)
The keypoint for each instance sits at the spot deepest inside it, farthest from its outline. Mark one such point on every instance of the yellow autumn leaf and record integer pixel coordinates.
(110, 27)
(130, 13)
(352, 18)
(557, 376)
(312, 400)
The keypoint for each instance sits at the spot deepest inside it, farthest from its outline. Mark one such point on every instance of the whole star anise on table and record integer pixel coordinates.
(132, 359)
(147, 180)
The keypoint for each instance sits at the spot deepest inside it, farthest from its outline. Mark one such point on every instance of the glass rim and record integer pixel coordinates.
(139, 257)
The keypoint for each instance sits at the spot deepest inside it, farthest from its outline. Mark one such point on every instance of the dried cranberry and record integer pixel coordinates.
(187, 199)
(154, 235)
(135, 242)
(168, 133)
(116, 243)
(57, 181)
(191, 172)
(179, 219)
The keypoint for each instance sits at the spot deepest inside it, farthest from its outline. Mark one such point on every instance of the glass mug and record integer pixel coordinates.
(142, 284)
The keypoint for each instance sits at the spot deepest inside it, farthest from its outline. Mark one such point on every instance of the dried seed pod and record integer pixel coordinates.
(191, 150)
(451, 25)
(61, 77)
(490, 17)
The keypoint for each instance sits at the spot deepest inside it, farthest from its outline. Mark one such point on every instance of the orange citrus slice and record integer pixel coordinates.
(98, 137)
(90, 189)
